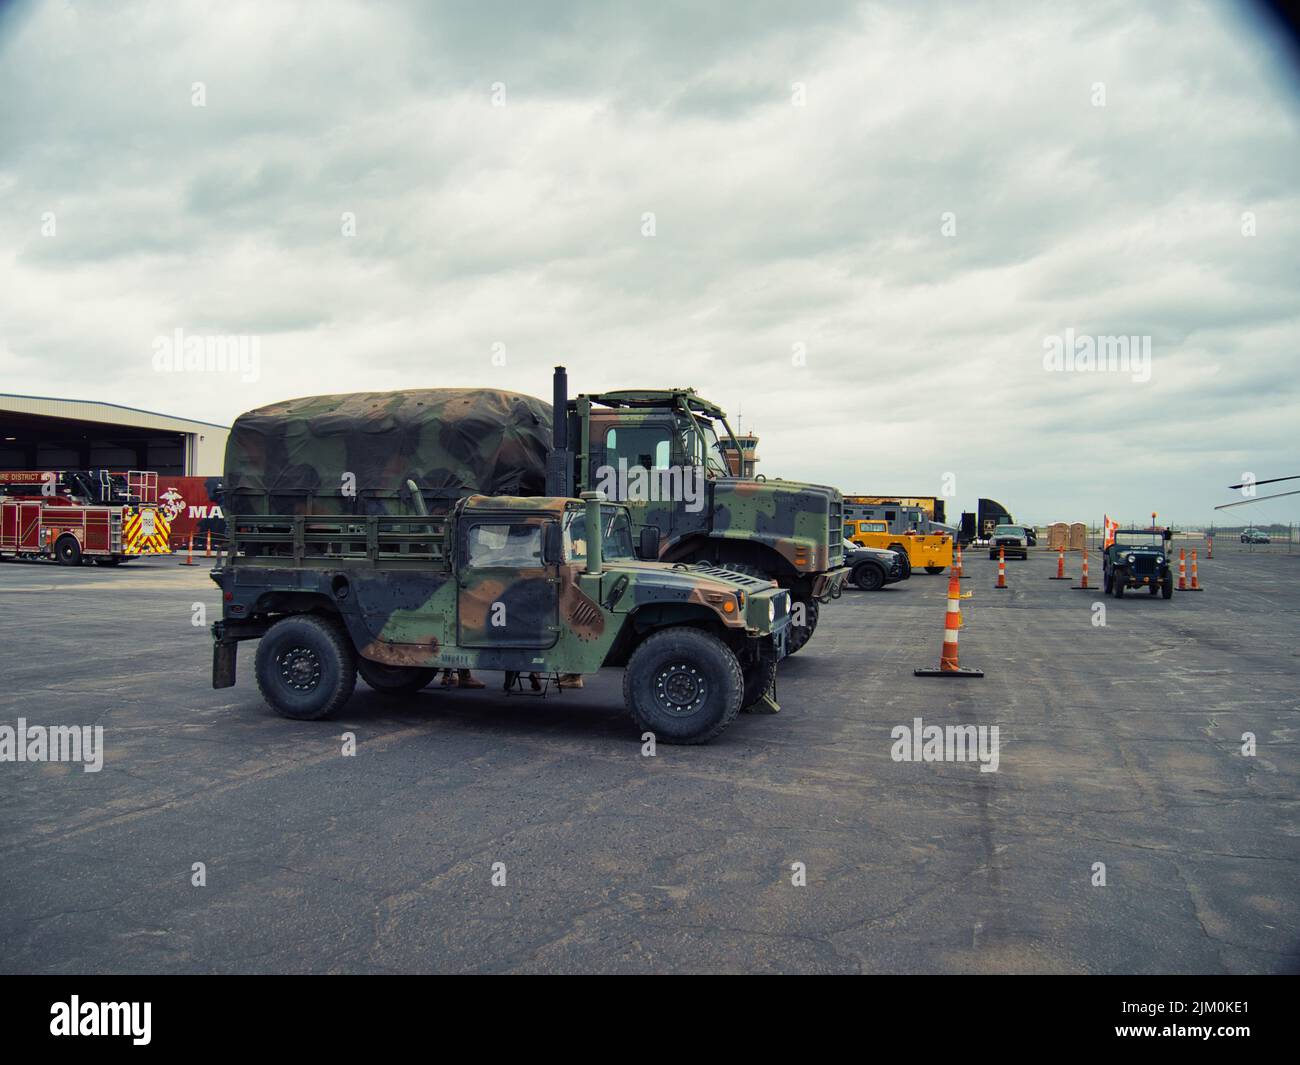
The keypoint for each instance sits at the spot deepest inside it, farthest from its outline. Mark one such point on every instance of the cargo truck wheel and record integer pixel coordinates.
(801, 634)
(68, 551)
(683, 685)
(869, 577)
(394, 680)
(306, 668)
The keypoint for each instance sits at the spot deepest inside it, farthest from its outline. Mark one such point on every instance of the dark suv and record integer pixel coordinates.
(1013, 539)
(1139, 558)
(871, 568)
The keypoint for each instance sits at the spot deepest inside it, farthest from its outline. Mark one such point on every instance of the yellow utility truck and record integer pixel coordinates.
(932, 551)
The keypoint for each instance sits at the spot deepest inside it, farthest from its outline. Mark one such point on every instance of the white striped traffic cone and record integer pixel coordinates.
(948, 666)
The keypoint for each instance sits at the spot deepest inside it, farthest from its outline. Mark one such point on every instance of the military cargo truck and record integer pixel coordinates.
(788, 531)
(335, 573)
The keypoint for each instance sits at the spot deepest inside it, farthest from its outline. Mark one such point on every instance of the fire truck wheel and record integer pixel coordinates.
(394, 680)
(306, 668)
(68, 551)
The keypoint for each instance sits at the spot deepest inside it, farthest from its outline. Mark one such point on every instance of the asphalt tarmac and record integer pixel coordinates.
(1118, 746)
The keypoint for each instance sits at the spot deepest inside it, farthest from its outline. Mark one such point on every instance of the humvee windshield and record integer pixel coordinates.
(617, 543)
(1127, 538)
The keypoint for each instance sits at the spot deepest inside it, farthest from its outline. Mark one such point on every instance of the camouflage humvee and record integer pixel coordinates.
(788, 531)
(522, 585)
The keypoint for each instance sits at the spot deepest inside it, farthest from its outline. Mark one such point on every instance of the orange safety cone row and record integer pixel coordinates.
(948, 664)
(1082, 586)
(1196, 584)
(1182, 569)
(189, 552)
(1002, 568)
(1060, 567)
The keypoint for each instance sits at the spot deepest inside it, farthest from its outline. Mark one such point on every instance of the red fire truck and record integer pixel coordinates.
(76, 515)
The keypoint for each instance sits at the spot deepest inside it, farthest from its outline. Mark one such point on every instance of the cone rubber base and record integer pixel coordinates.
(1192, 589)
(1082, 588)
(1060, 578)
(963, 672)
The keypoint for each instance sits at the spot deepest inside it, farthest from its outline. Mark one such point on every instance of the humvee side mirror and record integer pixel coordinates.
(648, 548)
(552, 544)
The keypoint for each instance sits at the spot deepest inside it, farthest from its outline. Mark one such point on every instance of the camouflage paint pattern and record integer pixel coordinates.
(557, 618)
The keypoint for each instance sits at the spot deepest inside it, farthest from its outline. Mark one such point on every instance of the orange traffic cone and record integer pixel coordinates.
(1082, 586)
(1182, 569)
(1060, 567)
(189, 552)
(207, 547)
(948, 666)
(1196, 584)
(1209, 547)
(960, 575)
(1002, 568)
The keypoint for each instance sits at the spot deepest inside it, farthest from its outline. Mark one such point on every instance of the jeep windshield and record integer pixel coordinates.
(1128, 539)
(616, 544)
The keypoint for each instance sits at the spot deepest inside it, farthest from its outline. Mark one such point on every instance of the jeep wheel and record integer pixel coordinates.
(759, 678)
(934, 569)
(683, 685)
(1167, 587)
(801, 634)
(1107, 580)
(993, 555)
(306, 668)
(68, 551)
(869, 577)
(1117, 585)
(394, 680)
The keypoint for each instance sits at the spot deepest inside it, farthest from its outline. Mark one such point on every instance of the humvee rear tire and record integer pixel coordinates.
(869, 577)
(801, 634)
(305, 666)
(68, 551)
(683, 685)
(394, 680)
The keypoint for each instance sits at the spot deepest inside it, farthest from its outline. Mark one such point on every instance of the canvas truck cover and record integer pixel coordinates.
(295, 457)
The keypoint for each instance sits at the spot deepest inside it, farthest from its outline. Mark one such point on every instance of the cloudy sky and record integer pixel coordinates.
(868, 220)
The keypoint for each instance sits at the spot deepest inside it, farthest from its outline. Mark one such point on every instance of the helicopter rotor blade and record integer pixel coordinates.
(1270, 480)
(1242, 503)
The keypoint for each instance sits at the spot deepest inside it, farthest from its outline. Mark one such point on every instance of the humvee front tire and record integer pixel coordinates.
(306, 667)
(683, 685)
(394, 680)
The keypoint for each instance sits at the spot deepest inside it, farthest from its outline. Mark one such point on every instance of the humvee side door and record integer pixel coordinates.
(507, 595)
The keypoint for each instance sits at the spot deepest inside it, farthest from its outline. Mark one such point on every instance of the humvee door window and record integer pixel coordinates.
(646, 446)
(504, 545)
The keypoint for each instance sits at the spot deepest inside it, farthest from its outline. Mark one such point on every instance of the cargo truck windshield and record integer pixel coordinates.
(617, 542)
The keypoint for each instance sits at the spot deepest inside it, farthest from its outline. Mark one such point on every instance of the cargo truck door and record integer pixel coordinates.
(507, 596)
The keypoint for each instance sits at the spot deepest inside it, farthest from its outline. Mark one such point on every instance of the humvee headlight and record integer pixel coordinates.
(1160, 559)
(771, 611)
(1132, 559)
